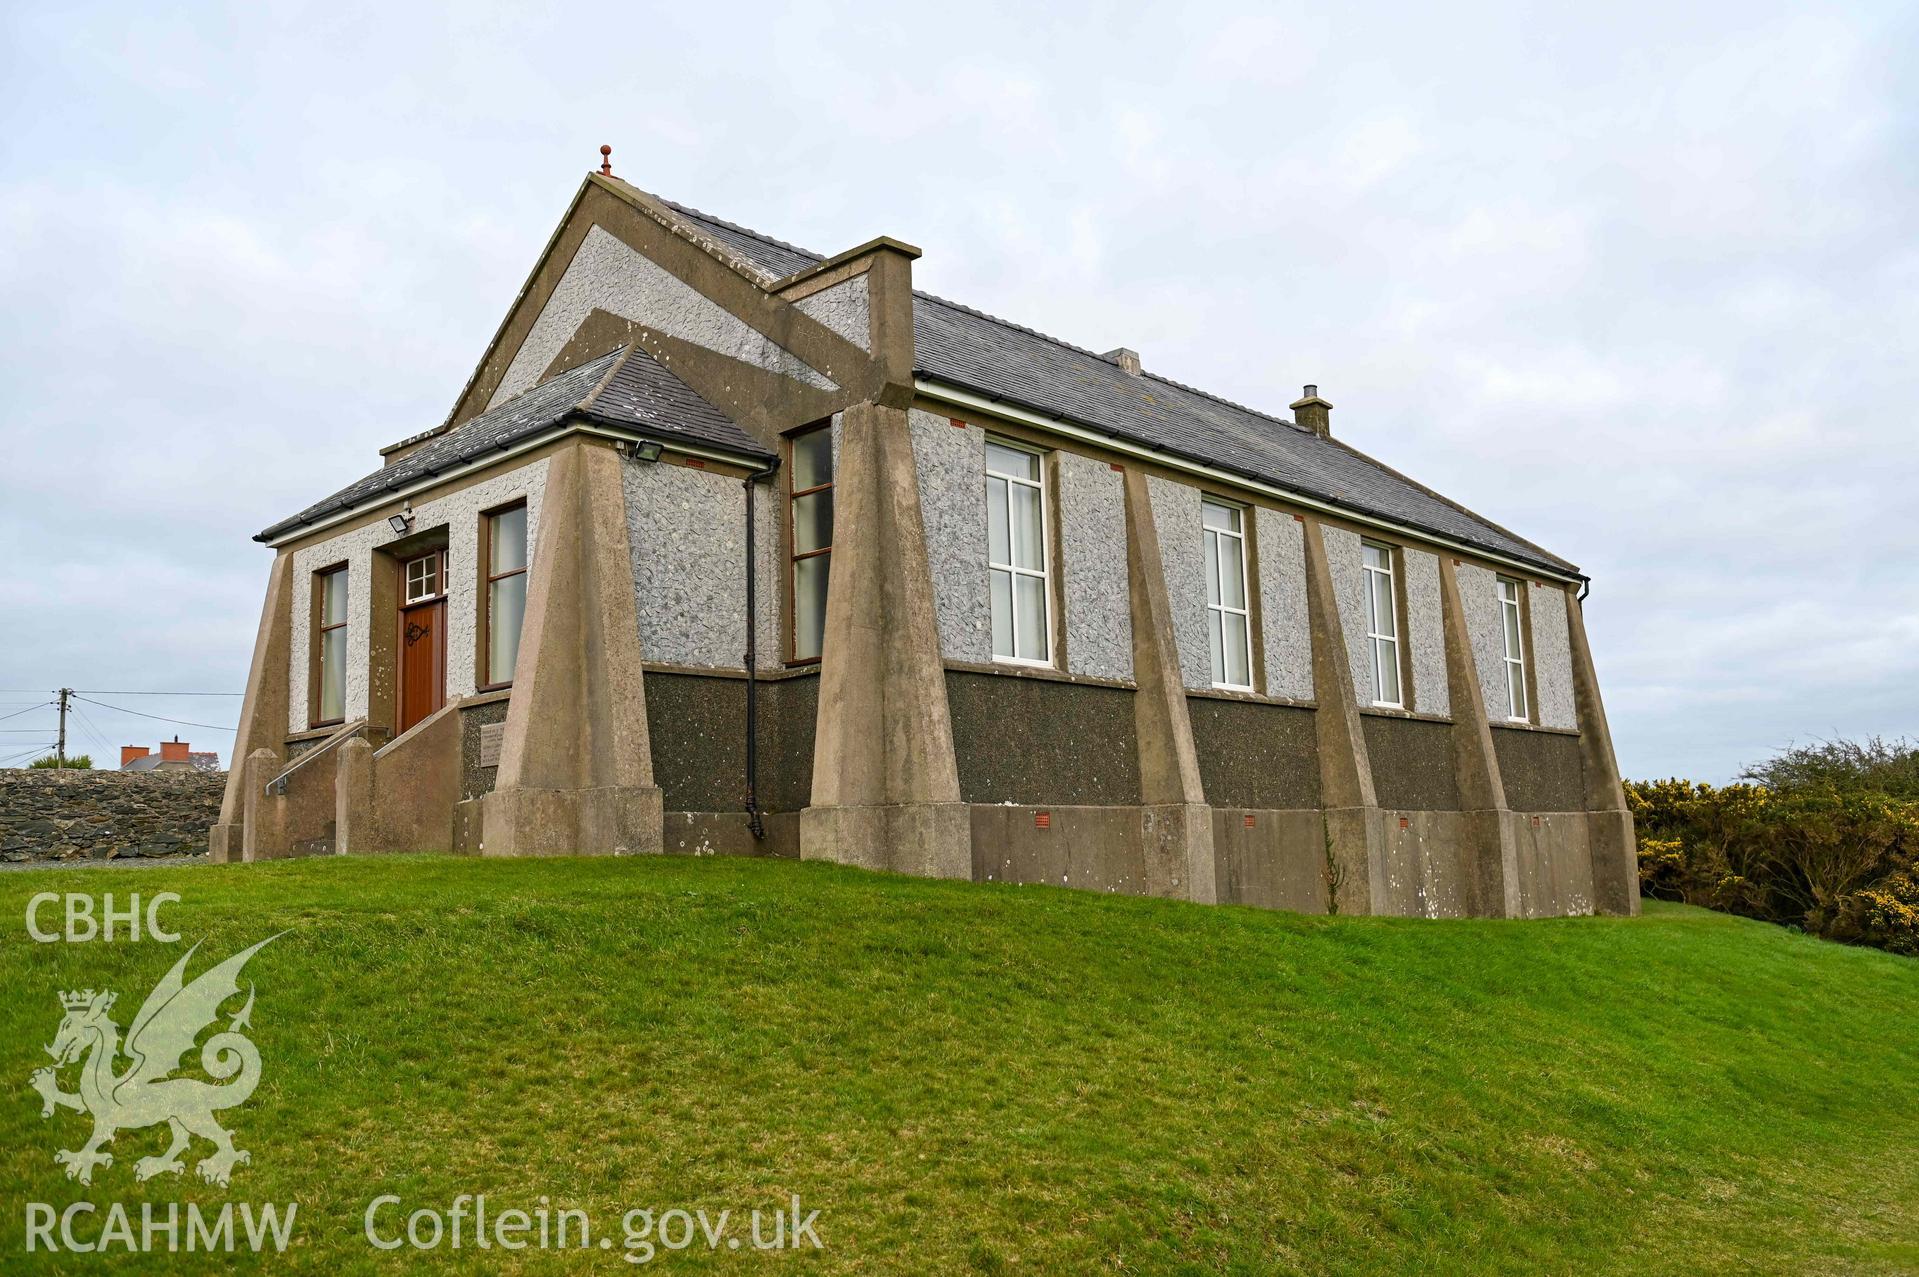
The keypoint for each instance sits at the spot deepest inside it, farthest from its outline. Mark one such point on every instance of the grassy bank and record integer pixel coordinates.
(1007, 1079)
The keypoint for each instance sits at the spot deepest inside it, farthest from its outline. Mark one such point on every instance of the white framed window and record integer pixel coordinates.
(809, 501)
(1016, 555)
(329, 646)
(1229, 627)
(505, 574)
(1382, 624)
(423, 577)
(1512, 619)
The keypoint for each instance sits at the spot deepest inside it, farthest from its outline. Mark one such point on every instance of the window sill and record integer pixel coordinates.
(1249, 696)
(1517, 726)
(487, 696)
(765, 674)
(1395, 711)
(1043, 673)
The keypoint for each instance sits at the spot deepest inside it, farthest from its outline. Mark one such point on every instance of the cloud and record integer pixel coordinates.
(1649, 301)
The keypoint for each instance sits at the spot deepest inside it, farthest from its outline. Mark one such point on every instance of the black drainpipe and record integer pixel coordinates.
(753, 821)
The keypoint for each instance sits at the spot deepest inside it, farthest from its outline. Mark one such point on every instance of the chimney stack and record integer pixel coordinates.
(1128, 360)
(174, 751)
(1313, 413)
(130, 752)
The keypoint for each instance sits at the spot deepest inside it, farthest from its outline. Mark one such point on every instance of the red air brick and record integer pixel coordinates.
(1042, 820)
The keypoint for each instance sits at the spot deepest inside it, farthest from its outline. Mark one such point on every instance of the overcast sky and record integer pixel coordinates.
(1640, 282)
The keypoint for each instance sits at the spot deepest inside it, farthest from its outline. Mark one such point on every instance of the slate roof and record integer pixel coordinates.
(641, 394)
(198, 760)
(1003, 361)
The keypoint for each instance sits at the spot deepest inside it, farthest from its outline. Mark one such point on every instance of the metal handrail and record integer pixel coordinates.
(277, 787)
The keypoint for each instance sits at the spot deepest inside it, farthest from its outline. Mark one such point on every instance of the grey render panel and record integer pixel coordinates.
(1479, 591)
(1040, 740)
(1552, 656)
(687, 530)
(1182, 553)
(1092, 525)
(1279, 543)
(606, 274)
(1349, 585)
(1426, 634)
(952, 475)
(1001, 360)
(844, 309)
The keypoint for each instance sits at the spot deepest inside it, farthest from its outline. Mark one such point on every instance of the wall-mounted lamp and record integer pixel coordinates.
(645, 450)
(402, 522)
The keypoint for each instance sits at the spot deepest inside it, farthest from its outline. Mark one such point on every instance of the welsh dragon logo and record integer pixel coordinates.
(143, 1095)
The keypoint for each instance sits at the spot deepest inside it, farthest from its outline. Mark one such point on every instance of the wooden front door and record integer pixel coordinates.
(423, 638)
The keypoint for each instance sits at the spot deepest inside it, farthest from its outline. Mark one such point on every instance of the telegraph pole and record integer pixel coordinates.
(60, 750)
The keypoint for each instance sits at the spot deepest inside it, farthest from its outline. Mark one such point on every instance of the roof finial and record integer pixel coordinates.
(606, 161)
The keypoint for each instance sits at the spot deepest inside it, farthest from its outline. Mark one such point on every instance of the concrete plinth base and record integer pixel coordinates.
(1615, 862)
(613, 821)
(1274, 859)
(1491, 857)
(928, 840)
(1178, 841)
(469, 826)
(1355, 854)
(728, 833)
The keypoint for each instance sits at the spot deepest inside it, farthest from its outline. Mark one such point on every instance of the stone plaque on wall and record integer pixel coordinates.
(490, 736)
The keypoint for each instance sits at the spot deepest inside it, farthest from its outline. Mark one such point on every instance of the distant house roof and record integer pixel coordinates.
(201, 761)
(638, 394)
(1002, 361)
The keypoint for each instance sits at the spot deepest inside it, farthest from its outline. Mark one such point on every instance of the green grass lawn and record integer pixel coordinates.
(1008, 1079)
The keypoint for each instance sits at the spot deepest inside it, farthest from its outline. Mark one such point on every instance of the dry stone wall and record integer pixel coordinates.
(102, 815)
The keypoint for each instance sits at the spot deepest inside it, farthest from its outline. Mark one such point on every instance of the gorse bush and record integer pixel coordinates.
(1824, 837)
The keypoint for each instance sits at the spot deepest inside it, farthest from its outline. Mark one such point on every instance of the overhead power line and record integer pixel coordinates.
(94, 691)
(121, 709)
(89, 691)
(28, 710)
(94, 734)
